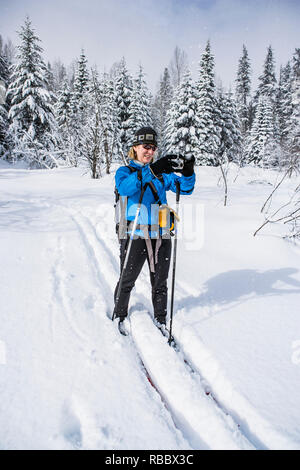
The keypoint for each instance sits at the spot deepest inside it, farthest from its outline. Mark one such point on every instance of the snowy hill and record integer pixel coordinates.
(69, 380)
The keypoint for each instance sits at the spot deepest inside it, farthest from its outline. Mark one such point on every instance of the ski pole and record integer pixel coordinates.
(129, 247)
(174, 261)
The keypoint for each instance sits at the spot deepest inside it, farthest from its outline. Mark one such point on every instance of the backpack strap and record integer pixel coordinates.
(155, 193)
(120, 208)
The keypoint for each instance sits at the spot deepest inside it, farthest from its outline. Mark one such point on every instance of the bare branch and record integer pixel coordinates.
(275, 189)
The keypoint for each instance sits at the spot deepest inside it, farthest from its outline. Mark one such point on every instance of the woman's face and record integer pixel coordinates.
(145, 152)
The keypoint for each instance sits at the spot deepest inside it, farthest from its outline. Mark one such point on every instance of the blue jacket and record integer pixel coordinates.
(129, 184)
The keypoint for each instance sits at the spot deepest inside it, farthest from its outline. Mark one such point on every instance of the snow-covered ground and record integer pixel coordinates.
(69, 380)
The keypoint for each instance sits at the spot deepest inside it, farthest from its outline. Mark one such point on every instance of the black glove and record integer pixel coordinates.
(164, 165)
(188, 167)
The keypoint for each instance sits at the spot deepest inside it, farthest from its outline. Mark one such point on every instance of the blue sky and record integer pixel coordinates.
(147, 31)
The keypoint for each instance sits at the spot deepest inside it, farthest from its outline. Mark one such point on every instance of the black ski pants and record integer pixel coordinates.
(137, 256)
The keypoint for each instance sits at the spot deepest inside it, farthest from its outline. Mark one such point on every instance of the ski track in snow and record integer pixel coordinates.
(190, 391)
(59, 292)
(100, 255)
(79, 428)
(198, 357)
(257, 430)
(203, 422)
(244, 417)
(200, 360)
(106, 267)
(195, 371)
(97, 259)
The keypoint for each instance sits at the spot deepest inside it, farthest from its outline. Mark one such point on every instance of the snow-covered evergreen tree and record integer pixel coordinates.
(110, 144)
(140, 106)
(267, 80)
(172, 116)
(64, 105)
(292, 146)
(207, 111)
(59, 75)
(183, 133)
(162, 104)
(231, 137)
(3, 123)
(90, 135)
(4, 105)
(296, 64)
(288, 112)
(50, 78)
(284, 107)
(64, 118)
(32, 124)
(8, 50)
(265, 129)
(123, 98)
(101, 135)
(243, 88)
(296, 79)
(292, 142)
(81, 88)
(262, 148)
(80, 106)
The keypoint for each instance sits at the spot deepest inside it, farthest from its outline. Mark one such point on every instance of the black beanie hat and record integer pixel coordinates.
(145, 135)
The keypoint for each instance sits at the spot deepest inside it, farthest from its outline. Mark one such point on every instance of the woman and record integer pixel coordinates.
(149, 241)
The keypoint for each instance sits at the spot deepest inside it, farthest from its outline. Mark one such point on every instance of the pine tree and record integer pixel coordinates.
(139, 108)
(101, 136)
(3, 123)
(4, 105)
(4, 67)
(80, 106)
(59, 74)
(110, 145)
(64, 105)
(267, 81)
(284, 107)
(80, 95)
(162, 104)
(262, 148)
(292, 146)
(172, 116)
(81, 84)
(231, 137)
(296, 64)
(183, 136)
(50, 78)
(292, 143)
(267, 90)
(32, 125)
(123, 98)
(295, 77)
(243, 88)
(90, 135)
(64, 118)
(207, 111)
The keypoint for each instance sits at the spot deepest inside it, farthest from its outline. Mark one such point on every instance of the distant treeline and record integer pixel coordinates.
(51, 114)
